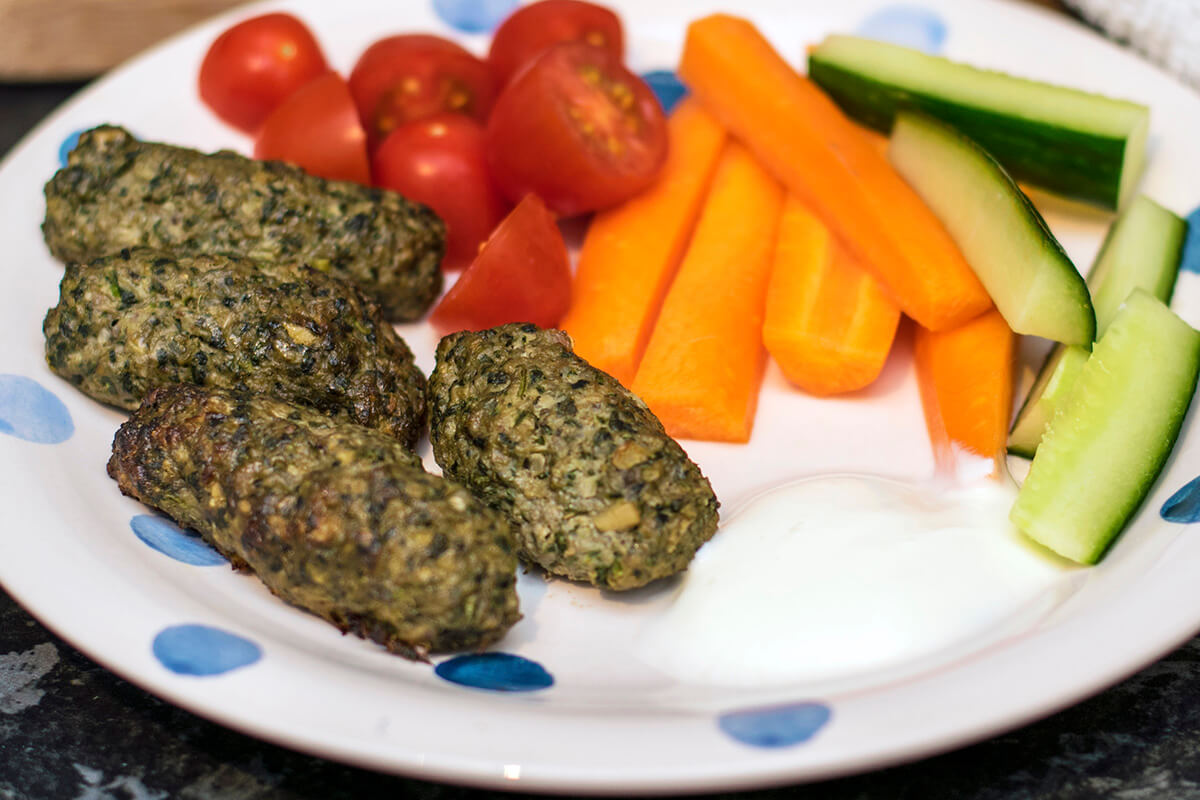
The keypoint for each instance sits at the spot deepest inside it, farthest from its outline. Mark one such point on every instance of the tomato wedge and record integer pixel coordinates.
(411, 76)
(252, 67)
(440, 161)
(531, 29)
(317, 128)
(522, 274)
(577, 129)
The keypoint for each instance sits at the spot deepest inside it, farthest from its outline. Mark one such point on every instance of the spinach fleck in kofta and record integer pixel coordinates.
(117, 192)
(335, 518)
(594, 487)
(139, 319)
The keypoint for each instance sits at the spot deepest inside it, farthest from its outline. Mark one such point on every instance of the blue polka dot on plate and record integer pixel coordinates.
(169, 539)
(666, 87)
(31, 412)
(473, 16)
(203, 650)
(911, 26)
(497, 672)
(1184, 505)
(1190, 260)
(775, 726)
(68, 144)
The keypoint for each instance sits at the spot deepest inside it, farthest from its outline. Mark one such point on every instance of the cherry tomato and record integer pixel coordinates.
(252, 67)
(317, 128)
(578, 129)
(533, 28)
(404, 78)
(439, 161)
(522, 274)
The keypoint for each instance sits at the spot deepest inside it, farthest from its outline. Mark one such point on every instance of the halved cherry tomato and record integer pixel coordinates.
(252, 67)
(317, 128)
(522, 274)
(439, 161)
(532, 28)
(578, 129)
(404, 78)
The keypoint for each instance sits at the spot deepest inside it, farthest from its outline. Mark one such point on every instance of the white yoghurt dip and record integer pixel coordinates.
(834, 576)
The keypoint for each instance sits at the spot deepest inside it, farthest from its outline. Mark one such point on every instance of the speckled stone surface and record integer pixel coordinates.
(71, 729)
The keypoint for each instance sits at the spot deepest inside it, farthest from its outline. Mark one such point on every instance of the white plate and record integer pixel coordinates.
(609, 722)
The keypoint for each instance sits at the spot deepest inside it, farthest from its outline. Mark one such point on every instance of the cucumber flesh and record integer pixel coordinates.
(1142, 251)
(1105, 448)
(1070, 142)
(1050, 391)
(1029, 277)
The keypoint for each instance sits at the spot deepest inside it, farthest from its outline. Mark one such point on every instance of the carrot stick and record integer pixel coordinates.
(876, 139)
(703, 365)
(631, 252)
(829, 324)
(966, 380)
(819, 155)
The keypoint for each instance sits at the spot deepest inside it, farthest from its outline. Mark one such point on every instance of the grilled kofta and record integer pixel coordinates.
(335, 518)
(138, 319)
(594, 487)
(117, 192)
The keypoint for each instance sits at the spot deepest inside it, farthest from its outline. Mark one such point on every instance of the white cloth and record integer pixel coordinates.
(1165, 31)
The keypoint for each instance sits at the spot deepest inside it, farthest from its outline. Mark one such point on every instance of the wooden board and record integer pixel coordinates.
(70, 39)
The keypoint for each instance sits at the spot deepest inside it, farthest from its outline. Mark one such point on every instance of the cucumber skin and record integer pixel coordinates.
(952, 138)
(1017, 445)
(1171, 236)
(1070, 163)
(1037, 511)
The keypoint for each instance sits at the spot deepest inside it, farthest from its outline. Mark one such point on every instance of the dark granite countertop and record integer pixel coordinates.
(71, 729)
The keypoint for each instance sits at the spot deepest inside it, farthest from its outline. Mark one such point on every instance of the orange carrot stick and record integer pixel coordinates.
(631, 252)
(829, 324)
(821, 156)
(876, 139)
(966, 380)
(703, 365)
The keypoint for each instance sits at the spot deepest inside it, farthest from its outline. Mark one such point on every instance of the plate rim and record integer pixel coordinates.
(485, 775)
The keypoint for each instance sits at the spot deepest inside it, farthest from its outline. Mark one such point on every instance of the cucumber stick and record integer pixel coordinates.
(1142, 251)
(1029, 277)
(1050, 391)
(1070, 142)
(1105, 448)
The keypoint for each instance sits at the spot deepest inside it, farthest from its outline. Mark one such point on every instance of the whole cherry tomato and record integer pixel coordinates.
(531, 29)
(522, 274)
(578, 129)
(252, 67)
(404, 78)
(440, 161)
(317, 128)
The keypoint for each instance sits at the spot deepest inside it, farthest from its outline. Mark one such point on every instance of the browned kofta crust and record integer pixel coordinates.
(335, 518)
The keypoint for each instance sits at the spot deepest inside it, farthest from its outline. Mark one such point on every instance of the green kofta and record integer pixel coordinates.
(117, 192)
(334, 518)
(594, 487)
(138, 319)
